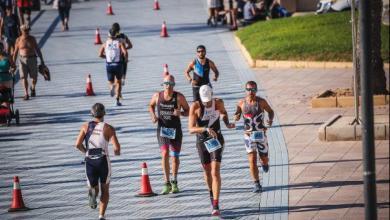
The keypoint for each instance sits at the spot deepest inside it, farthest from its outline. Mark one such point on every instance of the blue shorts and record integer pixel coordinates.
(114, 70)
(97, 169)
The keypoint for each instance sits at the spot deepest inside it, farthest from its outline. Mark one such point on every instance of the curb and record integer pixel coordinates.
(293, 64)
(337, 128)
(344, 101)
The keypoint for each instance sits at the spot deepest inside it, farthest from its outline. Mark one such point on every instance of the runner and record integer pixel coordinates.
(96, 135)
(112, 50)
(170, 104)
(128, 45)
(201, 70)
(204, 122)
(252, 109)
(27, 48)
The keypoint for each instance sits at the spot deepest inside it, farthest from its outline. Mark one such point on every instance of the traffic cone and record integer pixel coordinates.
(89, 90)
(156, 5)
(17, 199)
(109, 9)
(146, 188)
(166, 72)
(97, 37)
(164, 32)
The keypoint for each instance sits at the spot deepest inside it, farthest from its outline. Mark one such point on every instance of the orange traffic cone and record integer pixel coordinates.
(89, 90)
(97, 37)
(146, 188)
(166, 72)
(109, 9)
(164, 32)
(17, 199)
(156, 5)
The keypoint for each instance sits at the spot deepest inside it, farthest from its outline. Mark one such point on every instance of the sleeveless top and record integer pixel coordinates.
(11, 27)
(165, 111)
(113, 52)
(253, 116)
(97, 139)
(209, 118)
(5, 76)
(201, 72)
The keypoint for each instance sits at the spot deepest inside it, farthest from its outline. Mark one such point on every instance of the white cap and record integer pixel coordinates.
(206, 93)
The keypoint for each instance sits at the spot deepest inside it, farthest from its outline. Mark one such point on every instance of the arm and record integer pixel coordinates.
(184, 105)
(101, 51)
(221, 107)
(124, 51)
(114, 141)
(264, 104)
(237, 114)
(190, 67)
(129, 45)
(215, 70)
(1, 27)
(152, 105)
(37, 50)
(16, 50)
(79, 141)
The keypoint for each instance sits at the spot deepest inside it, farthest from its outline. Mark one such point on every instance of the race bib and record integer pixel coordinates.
(168, 132)
(212, 145)
(257, 136)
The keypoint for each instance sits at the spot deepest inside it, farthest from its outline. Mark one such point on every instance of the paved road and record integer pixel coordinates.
(41, 150)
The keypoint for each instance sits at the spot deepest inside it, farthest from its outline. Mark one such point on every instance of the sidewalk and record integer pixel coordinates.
(325, 180)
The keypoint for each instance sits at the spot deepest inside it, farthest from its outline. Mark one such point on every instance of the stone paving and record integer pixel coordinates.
(41, 150)
(325, 178)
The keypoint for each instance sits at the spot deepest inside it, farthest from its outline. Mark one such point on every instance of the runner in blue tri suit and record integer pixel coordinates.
(204, 122)
(96, 135)
(252, 109)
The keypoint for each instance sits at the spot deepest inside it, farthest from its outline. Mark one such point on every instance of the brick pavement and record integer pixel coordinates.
(325, 178)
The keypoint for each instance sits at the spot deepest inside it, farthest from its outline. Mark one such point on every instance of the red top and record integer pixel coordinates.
(24, 3)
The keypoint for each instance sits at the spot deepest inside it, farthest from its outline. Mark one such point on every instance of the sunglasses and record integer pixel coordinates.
(251, 89)
(168, 83)
(201, 51)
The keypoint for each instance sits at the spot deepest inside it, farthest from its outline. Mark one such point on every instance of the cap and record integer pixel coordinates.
(205, 93)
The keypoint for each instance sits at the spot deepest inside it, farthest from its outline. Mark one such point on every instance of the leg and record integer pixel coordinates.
(104, 198)
(254, 170)
(165, 163)
(207, 176)
(25, 86)
(175, 165)
(21, 15)
(216, 179)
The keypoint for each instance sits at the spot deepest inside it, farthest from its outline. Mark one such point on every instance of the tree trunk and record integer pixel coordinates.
(378, 79)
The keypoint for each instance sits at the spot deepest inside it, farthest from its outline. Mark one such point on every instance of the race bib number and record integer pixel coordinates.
(212, 145)
(168, 132)
(257, 136)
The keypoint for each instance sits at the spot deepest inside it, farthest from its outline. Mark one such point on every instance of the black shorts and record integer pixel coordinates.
(63, 12)
(97, 169)
(114, 70)
(205, 156)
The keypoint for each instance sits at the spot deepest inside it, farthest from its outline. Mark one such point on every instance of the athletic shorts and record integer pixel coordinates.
(226, 4)
(174, 145)
(205, 156)
(114, 70)
(250, 146)
(28, 67)
(97, 170)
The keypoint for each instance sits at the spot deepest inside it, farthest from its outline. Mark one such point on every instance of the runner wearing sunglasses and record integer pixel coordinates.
(252, 109)
(170, 106)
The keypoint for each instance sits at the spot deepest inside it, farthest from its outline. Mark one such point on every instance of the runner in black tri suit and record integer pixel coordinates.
(128, 45)
(169, 134)
(200, 67)
(252, 109)
(204, 122)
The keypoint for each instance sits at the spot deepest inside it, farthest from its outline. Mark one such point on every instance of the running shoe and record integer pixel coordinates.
(33, 94)
(166, 189)
(257, 188)
(265, 168)
(92, 198)
(174, 189)
(215, 212)
(118, 103)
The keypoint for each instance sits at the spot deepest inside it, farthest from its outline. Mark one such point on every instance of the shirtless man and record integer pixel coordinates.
(169, 105)
(27, 48)
(252, 109)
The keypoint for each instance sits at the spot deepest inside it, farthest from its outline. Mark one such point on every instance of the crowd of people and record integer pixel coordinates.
(243, 12)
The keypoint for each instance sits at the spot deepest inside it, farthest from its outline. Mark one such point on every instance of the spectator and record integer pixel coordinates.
(6, 82)
(252, 13)
(213, 6)
(63, 10)
(24, 7)
(9, 28)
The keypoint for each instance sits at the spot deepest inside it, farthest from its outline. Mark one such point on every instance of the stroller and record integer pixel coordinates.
(7, 111)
